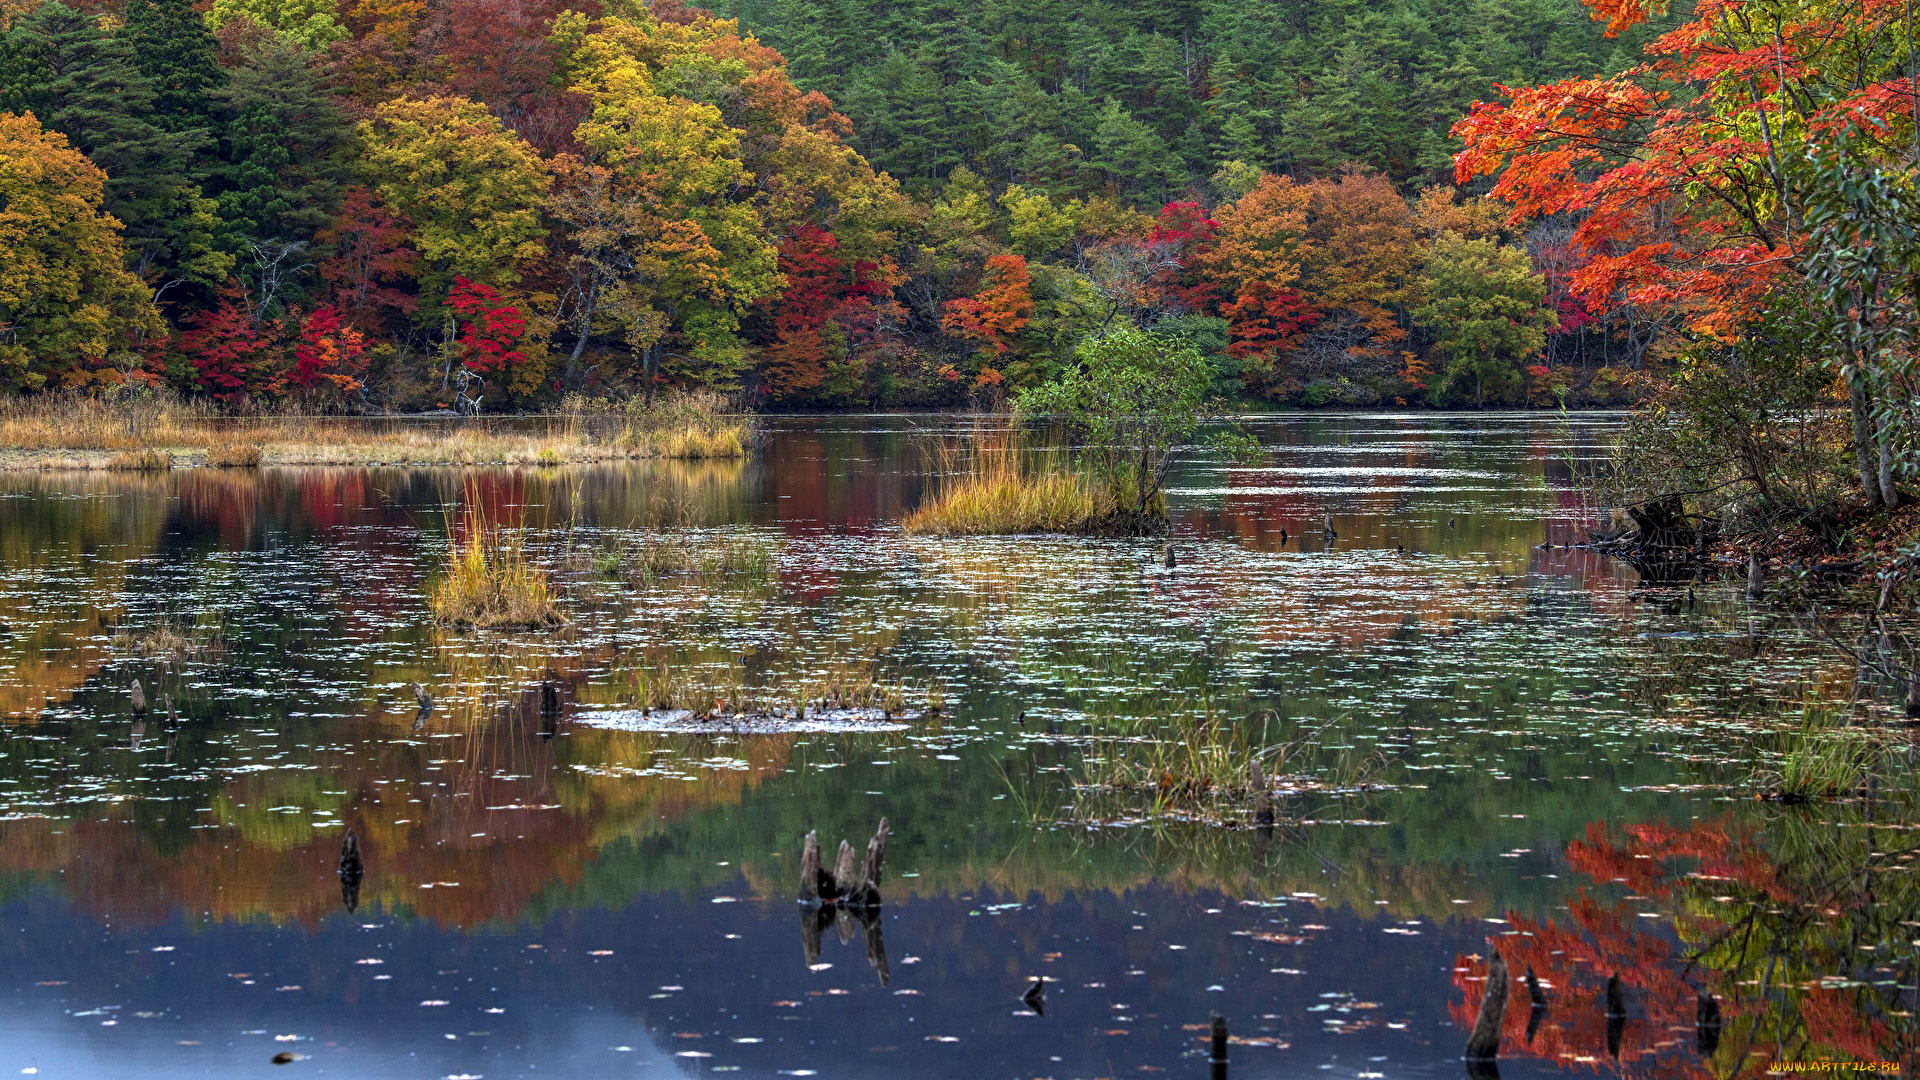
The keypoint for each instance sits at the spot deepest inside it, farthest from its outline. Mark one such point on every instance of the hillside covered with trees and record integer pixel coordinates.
(340, 205)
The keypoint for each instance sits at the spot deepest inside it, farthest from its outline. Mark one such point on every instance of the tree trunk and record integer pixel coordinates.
(573, 358)
(1889, 494)
(1865, 446)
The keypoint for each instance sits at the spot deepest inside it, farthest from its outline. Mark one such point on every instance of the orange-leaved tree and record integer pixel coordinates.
(1692, 175)
(996, 313)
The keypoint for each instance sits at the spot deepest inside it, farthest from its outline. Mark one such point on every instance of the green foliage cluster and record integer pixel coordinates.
(1134, 401)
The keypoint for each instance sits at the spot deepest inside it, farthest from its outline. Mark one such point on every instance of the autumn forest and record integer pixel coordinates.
(820, 204)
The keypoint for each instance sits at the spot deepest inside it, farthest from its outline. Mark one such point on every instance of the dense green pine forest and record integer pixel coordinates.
(1151, 99)
(813, 203)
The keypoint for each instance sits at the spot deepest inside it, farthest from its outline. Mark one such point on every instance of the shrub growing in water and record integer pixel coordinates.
(1135, 401)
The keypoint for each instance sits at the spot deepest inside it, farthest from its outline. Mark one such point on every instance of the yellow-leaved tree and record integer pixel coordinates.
(473, 190)
(67, 301)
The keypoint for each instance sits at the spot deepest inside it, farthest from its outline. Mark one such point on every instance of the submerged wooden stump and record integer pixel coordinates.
(351, 871)
(1539, 1011)
(1706, 1033)
(846, 899)
(843, 870)
(1616, 1016)
(1483, 1043)
(1262, 796)
(846, 886)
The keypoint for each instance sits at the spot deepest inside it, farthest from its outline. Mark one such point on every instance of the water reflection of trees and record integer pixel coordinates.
(1452, 673)
(1801, 925)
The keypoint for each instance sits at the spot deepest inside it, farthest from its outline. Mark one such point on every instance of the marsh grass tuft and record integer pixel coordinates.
(124, 421)
(490, 584)
(234, 455)
(994, 486)
(735, 557)
(173, 638)
(1200, 766)
(689, 424)
(141, 461)
(1824, 755)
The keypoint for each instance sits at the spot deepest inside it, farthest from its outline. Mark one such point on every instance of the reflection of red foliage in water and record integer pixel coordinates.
(1833, 1020)
(1696, 868)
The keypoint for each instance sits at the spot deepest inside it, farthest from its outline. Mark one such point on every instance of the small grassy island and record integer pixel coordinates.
(1131, 407)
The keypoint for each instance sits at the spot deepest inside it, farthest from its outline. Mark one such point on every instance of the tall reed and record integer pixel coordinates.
(993, 485)
(488, 582)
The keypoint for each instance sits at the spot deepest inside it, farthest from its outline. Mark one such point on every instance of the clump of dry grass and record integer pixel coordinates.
(685, 424)
(995, 489)
(172, 639)
(47, 430)
(141, 461)
(127, 421)
(490, 584)
(234, 455)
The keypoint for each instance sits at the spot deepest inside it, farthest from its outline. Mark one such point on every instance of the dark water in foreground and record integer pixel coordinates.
(1556, 754)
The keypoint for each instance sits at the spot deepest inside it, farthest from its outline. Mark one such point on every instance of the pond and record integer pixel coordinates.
(1494, 744)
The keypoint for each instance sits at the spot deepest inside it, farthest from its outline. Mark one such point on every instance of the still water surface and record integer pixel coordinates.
(1553, 745)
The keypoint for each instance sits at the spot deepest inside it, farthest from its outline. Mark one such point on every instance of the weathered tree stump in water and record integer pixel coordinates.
(351, 871)
(1539, 1010)
(1756, 576)
(845, 887)
(1616, 1016)
(1262, 797)
(816, 885)
(1706, 1032)
(1483, 1043)
(1036, 996)
(138, 694)
(843, 870)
